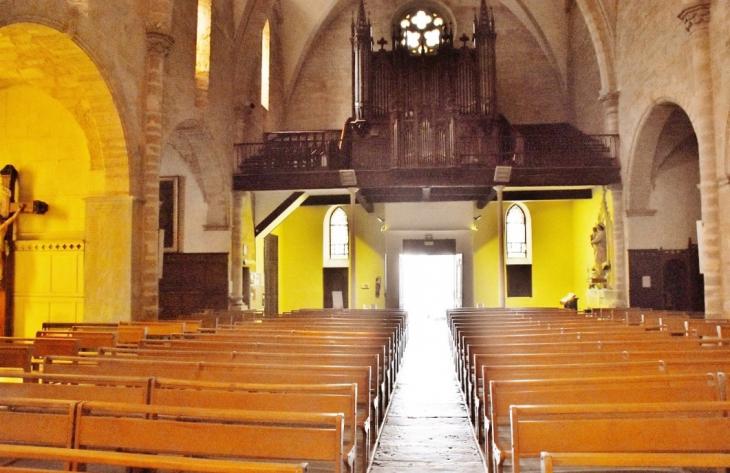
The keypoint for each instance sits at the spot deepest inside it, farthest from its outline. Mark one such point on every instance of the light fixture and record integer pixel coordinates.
(502, 173)
(477, 218)
(348, 178)
(380, 220)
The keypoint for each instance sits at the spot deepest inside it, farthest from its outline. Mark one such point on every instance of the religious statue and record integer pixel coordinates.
(598, 242)
(3, 231)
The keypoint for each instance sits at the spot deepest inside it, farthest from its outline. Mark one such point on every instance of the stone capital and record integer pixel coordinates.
(609, 99)
(159, 43)
(696, 16)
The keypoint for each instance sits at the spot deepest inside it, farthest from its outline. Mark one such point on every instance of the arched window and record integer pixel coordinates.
(518, 242)
(202, 52)
(421, 30)
(336, 238)
(518, 238)
(265, 64)
(516, 233)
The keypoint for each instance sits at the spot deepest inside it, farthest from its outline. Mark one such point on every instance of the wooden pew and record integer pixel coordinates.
(15, 356)
(279, 398)
(41, 422)
(643, 461)
(605, 390)
(283, 398)
(88, 340)
(303, 346)
(275, 358)
(133, 460)
(211, 433)
(561, 359)
(698, 427)
(134, 390)
(227, 372)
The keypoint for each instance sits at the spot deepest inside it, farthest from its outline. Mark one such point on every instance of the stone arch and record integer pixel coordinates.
(603, 35)
(641, 164)
(48, 58)
(70, 74)
(192, 141)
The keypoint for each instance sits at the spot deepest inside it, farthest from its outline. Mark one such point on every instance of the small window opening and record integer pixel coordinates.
(265, 64)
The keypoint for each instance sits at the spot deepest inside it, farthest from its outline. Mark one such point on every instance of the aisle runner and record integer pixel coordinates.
(427, 429)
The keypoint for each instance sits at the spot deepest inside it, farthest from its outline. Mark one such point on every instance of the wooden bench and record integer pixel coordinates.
(211, 433)
(41, 422)
(275, 358)
(606, 390)
(88, 340)
(279, 398)
(550, 461)
(16, 356)
(133, 460)
(76, 387)
(698, 427)
(227, 372)
(303, 346)
(283, 398)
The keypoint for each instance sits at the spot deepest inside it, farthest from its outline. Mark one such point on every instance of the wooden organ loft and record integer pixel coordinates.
(425, 127)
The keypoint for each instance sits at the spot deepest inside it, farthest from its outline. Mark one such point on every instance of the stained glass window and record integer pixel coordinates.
(516, 232)
(421, 31)
(339, 235)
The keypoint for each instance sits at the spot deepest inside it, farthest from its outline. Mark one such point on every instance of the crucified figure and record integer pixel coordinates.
(3, 231)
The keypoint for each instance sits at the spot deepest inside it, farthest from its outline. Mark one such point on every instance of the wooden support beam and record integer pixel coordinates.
(490, 196)
(362, 200)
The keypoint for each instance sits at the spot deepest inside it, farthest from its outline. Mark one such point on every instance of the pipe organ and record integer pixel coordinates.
(427, 102)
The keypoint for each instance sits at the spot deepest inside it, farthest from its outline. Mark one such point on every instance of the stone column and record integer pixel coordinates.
(618, 264)
(697, 18)
(353, 249)
(236, 299)
(500, 233)
(158, 46)
(609, 101)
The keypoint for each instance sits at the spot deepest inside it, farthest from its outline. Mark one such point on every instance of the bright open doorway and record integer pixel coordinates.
(429, 285)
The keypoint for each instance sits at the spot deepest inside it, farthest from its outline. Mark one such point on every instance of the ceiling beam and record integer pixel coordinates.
(362, 200)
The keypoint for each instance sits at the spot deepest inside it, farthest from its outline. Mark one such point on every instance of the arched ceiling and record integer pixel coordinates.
(546, 21)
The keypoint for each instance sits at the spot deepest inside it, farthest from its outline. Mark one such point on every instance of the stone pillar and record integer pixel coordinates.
(620, 268)
(697, 18)
(236, 299)
(353, 250)
(500, 233)
(158, 46)
(609, 101)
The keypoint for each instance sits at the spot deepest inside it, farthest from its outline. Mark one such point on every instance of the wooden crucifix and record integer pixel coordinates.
(10, 210)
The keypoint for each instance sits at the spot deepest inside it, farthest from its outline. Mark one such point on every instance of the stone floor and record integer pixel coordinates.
(427, 428)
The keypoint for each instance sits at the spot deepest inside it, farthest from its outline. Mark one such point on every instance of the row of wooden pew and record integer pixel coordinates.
(305, 387)
(558, 381)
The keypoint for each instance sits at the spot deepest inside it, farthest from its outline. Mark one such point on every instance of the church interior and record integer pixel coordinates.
(481, 165)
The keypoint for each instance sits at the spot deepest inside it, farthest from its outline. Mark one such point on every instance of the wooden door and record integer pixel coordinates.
(271, 275)
(335, 279)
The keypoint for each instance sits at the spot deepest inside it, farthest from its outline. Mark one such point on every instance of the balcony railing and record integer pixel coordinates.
(292, 152)
(530, 147)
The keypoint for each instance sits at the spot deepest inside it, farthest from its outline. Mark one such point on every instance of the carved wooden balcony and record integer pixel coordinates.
(428, 156)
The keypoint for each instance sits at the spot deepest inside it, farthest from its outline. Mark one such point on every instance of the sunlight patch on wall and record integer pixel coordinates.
(202, 53)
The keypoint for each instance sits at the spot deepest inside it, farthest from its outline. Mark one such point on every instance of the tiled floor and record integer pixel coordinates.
(427, 428)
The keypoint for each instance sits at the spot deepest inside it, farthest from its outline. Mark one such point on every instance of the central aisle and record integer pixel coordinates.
(427, 428)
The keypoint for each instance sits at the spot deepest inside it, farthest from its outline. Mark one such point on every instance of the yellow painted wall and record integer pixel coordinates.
(561, 252)
(552, 254)
(486, 266)
(48, 147)
(300, 259)
(370, 265)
